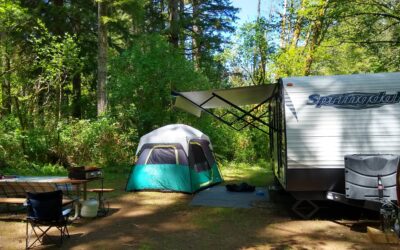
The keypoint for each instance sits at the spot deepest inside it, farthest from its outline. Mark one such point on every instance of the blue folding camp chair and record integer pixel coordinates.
(44, 212)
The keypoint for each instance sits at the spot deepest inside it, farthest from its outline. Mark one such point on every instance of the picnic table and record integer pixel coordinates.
(13, 190)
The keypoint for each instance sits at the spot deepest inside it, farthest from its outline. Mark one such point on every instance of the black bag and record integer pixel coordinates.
(242, 187)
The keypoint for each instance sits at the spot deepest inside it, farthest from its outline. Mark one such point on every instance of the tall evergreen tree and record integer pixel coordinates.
(102, 7)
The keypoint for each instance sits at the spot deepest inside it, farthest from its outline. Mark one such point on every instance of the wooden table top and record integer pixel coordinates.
(57, 180)
(23, 200)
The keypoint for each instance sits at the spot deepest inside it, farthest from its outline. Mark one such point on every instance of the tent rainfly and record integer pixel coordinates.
(176, 158)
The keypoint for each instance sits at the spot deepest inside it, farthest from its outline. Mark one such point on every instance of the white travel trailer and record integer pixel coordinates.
(313, 123)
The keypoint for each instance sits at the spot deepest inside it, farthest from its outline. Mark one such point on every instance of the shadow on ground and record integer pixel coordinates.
(151, 220)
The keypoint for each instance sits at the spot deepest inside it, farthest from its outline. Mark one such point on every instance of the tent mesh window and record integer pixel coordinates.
(200, 162)
(163, 155)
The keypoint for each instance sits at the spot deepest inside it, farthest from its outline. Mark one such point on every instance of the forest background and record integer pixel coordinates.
(81, 81)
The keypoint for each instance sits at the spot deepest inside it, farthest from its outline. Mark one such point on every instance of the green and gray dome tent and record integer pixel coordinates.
(176, 158)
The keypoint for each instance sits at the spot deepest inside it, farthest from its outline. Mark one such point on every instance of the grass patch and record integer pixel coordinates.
(211, 218)
(116, 180)
(258, 174)
(145, 245)
(36, 170)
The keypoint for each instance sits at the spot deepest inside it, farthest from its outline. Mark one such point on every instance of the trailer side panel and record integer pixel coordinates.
(328, 117)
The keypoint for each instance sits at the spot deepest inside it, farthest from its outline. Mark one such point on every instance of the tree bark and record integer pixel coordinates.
(173, 22)
(58, 18)
(316, 34)
(182, 37)
(196, 36)
(77, 80)
(282, 43)
(6, 84)
(20, 116)
(41, 96)
(102, 59)
(297, 28)
(76, 96)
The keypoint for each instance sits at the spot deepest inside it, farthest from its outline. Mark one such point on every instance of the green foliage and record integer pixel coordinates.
(55, 55)
(346, 59)
(50, 72)
(248, 56)
(142, 79)
(339, 37)
(11, 154)
(100, 142)
(289, 62)
(33, 169)
(80, 142)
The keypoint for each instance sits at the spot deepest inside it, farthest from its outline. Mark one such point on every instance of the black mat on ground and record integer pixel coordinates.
(218, 196)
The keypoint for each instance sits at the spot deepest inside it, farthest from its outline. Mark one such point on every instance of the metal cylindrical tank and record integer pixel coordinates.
(89, 208)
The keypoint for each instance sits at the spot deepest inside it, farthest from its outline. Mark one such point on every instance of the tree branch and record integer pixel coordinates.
(372, 14)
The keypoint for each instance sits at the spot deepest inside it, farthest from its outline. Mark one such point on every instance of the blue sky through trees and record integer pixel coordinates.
(248, 9)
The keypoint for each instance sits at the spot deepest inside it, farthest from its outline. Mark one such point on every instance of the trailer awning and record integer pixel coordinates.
(195, 102)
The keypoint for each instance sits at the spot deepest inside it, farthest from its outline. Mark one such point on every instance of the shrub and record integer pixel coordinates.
(101, 142)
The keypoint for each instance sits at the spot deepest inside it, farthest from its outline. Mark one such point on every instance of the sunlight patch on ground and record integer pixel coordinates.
(139, 213)
(318, 234)
(12, 235)
(12, 232)
(175, 226)
(157, 198)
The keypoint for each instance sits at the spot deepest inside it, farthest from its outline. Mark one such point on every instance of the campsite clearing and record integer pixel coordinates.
(152, 220)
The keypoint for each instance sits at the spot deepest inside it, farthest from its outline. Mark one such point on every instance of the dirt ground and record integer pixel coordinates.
(151, 220)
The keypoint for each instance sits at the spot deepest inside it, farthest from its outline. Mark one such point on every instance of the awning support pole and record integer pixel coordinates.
(205, 110)
(242, 110)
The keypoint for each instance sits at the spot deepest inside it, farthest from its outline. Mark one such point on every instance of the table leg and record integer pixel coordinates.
(84, 191)
(78, 191)
(77, 210)
(77, 203)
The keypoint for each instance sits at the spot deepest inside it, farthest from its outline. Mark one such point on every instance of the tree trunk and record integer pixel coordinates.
(58, 18)
(76, 96)
(102, 59)
(63, 93)
(316, 34)
(282, 43)
(41, 95)
(20, 116)
(196, 36)
(262, 47)
(6, 83)
(173, 22)
(297, 27)
(76, 80)
(182, 26)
